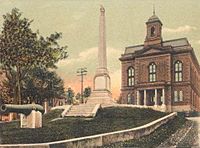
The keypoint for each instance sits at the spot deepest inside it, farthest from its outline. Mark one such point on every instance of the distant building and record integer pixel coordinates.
(163, 74)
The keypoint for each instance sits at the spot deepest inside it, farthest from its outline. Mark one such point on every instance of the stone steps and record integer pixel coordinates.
(82, 110)
(92, 105)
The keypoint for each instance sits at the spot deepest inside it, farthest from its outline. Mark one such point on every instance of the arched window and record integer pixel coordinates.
(152, 31)
(131, 76)
(152, 72)
(178, 70)
(129, 99)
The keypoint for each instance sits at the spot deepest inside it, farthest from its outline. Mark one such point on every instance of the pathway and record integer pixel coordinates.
(196, 120)
(187, 136)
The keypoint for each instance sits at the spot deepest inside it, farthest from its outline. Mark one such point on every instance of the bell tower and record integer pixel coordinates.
(154, 31)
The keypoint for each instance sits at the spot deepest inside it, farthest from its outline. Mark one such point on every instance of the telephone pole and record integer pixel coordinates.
(81, 72)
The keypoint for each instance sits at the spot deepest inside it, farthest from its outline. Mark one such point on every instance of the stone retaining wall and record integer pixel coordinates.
(101, 139)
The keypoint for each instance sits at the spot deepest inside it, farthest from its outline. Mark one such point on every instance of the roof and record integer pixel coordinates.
(176, 43)
(132, 49)
(153, 18)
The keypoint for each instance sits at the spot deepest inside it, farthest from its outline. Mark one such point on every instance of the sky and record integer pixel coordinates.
(78, 20)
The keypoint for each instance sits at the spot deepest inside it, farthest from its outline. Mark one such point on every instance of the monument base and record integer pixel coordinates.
(103, 97)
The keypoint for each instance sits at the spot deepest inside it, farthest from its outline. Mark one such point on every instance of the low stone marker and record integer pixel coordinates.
(30, 114)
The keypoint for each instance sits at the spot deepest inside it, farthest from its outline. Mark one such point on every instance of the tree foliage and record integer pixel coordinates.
(70, 95)
(41, 85)
(5, 91)
(78, 96)
(21, 50)
(87, 92)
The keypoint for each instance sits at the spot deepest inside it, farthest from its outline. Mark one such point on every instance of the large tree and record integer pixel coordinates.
(21, 49)
(41, 84)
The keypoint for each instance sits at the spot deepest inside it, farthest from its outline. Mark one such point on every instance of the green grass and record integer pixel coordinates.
(156, 138)
(51, 115)
(107, 120)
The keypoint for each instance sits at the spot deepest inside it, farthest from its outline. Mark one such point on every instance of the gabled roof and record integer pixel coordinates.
(150, 50)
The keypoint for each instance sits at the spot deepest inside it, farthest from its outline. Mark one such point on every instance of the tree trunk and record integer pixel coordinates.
(19, 100)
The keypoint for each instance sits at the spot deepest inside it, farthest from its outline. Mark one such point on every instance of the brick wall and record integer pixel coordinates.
(165, 75)
(162, 68)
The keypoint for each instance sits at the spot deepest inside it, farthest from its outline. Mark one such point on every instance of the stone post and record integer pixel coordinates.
(163, 96)
(21, 120)
(156, 97)
(145, 97)
(138, 97)
(45, 106)
(33, 114)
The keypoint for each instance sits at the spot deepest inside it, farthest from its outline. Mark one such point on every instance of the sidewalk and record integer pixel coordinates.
(197, 121)
(187, 136)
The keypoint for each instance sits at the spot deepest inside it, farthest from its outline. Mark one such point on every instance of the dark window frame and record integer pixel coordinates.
(153, 31)
(129, 98)
(131, 76)
(152, 72)
(178, 71)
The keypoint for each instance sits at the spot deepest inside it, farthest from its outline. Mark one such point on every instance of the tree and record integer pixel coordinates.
(41, 85)
(5, 91)
(87, 92)
(70, 95)
(78, 96)
(21, 50)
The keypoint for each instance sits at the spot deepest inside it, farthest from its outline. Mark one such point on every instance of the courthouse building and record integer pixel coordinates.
(161, 74)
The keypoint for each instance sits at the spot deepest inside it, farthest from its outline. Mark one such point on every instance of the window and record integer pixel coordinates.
(131, 76)
(152, 72)
(181, 95)
(129, 99)
(175, 96)
(152, 31)
(178, 69)
(178, 96)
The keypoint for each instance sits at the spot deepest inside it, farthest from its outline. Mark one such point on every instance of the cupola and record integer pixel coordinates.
(154, 31)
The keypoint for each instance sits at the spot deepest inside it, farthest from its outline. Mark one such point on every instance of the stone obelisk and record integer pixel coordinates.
(102, 57)
(101, 83)
(102, 78)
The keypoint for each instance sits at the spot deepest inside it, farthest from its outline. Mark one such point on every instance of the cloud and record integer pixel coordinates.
(89, 55)
(198, 42)
(180, 29)
(83, 56)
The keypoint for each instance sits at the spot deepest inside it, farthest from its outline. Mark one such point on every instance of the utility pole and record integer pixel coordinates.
(81, 72)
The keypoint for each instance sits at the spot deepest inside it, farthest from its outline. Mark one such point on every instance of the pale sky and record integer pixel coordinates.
(78, 20)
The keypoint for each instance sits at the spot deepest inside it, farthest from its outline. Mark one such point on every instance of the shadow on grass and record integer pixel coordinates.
(154, 139)
(107, 120)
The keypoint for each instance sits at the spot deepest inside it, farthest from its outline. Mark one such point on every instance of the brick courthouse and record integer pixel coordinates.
(161, 74)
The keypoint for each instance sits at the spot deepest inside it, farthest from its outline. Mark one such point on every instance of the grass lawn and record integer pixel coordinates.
(107, 120)
(156, 138)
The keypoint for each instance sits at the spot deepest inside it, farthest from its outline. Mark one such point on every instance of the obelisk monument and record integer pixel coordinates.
(102, 78)
(101, 83)
(101, 95)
